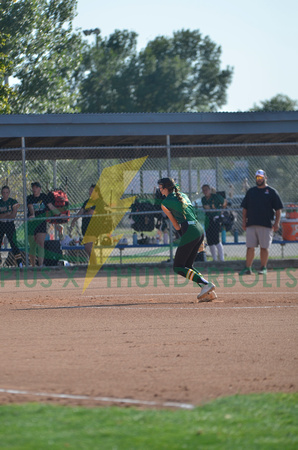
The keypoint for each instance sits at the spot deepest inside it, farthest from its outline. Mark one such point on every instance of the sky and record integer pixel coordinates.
(258, 38)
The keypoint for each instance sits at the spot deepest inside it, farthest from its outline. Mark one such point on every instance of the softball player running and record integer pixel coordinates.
(8, 210)
(179, 210)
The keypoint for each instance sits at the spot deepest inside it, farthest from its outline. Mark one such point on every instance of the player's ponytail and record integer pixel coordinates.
(171, 186)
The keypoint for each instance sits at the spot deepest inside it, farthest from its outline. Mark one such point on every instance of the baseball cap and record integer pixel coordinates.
(261, 173)
(36, 183)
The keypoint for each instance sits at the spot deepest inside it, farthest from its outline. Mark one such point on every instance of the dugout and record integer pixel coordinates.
(212, 134)
(217, 142)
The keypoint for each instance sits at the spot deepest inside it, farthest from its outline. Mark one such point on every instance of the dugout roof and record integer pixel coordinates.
(217, 134)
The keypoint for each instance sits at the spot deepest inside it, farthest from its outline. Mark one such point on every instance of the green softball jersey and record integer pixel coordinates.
(6, 207)
(181, 212)
(215, 201)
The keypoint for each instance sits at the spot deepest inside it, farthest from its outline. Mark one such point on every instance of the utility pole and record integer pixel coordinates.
(95, 31)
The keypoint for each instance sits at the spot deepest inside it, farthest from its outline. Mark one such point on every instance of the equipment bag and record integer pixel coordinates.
(142, 222)
(60, 201)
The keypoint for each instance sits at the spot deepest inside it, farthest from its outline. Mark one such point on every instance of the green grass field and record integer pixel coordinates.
(258, 421)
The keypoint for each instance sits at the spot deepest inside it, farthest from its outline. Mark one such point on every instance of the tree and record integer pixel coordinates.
(278, 103)
(6, 92)
(108, 73)
(181, 73)
(45, 53)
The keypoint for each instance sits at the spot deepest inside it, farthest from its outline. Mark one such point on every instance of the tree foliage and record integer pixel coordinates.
(6, 92)
(279, 102)
(56, 71)
(183, 73)
(180, 73)
(45, 54)
(107, 74)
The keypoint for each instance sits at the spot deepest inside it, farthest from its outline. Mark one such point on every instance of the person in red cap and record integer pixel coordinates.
(261, 218)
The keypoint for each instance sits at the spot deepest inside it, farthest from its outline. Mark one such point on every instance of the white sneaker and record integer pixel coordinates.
(208, 297)
(205, 289)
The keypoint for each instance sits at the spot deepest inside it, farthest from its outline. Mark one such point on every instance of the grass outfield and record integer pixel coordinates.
(257, 421)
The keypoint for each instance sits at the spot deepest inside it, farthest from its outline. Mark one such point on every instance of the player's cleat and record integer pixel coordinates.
(263, 271)
(211, 295)
(246, 271)
(205, 289)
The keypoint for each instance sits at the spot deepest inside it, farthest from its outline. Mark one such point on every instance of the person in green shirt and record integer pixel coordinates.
(212, 202)
(180, 211)
(8, 211)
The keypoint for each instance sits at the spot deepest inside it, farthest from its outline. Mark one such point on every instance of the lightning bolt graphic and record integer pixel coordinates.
(112, 184)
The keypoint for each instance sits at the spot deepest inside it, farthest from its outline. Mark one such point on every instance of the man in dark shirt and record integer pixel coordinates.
(261, 218)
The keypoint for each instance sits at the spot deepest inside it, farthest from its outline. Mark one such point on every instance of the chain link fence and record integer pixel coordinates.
(146, 235)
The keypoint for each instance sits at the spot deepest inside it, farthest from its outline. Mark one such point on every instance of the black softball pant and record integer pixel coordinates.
(9, 229)
(212, 232)
(186, 253)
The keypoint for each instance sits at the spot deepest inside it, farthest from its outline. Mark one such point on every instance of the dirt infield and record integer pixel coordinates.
(139, 337)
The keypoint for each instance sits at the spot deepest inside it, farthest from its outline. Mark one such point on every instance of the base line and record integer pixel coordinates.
(197, 308)
(160, 294)
(101, 399)
(156, 307)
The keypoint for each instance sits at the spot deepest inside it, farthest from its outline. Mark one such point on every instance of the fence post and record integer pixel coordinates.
(55, 174)
(169, 175)
(25, 199)
(189, 178)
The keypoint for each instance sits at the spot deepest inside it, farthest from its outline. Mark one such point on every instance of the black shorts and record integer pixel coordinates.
(37, 226)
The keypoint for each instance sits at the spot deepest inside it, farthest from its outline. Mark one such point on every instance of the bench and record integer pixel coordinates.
(122, 247)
